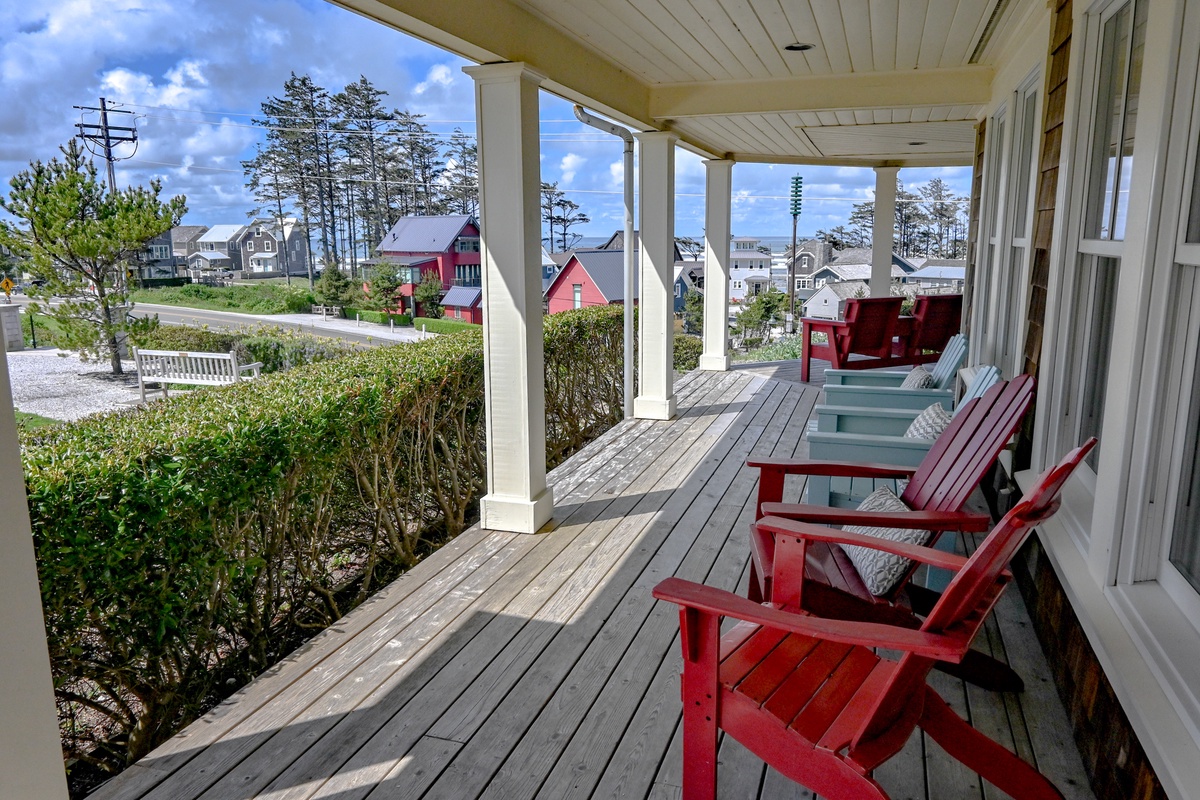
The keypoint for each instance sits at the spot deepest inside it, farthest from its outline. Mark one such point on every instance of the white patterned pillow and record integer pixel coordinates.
(881, 571)
(919, 378)
(929, 424)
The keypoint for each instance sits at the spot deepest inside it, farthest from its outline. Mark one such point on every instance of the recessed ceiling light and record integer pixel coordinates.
(800, 47)
(916, 144)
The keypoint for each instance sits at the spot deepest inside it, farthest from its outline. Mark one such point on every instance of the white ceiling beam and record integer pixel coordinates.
(861, 90)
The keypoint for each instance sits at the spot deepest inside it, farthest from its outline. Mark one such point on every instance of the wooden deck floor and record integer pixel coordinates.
(521, 666)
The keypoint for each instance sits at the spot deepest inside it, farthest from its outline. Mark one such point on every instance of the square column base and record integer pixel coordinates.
(714, 363)
(653, 408)
(499, 513)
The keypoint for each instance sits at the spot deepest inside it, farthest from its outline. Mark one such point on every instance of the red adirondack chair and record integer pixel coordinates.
(869, 329)
(937, 490)
(935, 318)
(812, 698)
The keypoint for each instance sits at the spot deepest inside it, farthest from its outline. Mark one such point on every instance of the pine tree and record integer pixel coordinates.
(79, 238)
(462, 174)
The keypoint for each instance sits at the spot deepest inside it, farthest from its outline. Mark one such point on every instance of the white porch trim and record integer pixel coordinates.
(656, 317)
(31, 763)
(882, 231)
(506, 107)
(718, 189)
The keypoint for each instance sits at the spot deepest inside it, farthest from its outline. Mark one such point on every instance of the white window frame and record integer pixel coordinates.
(577, 295)
(1107, 542)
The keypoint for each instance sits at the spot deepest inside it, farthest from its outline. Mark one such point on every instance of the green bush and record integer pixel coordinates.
(687, 350)
(783, 349)
(186, 546)
(184, 338)
(278, 353)
(378, 317)
(447, 325)
(258, 298)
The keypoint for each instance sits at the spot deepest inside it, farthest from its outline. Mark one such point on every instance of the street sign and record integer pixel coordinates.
(7, 286)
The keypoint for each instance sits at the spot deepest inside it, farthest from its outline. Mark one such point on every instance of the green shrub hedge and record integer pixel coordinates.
(687, 350)
(259, 298)
(278, 349)
(447, 325)
(378, 317)
(185, 547)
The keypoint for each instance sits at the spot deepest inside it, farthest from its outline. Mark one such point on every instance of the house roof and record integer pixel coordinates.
(182, 234)
(222, 233)
(211, 255)
(606, 269)
(424, 234)
(946, 273)
(855, 272)
(405, 261)
(863, 255)
(463, 296)
(848, 289)
(617, 242)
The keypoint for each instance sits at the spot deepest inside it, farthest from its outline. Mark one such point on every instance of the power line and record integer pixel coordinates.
(105, 137)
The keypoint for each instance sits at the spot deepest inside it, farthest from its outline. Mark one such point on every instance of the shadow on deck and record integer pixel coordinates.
(520, 666)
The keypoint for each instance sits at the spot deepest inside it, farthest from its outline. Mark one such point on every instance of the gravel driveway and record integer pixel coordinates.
(56, 384)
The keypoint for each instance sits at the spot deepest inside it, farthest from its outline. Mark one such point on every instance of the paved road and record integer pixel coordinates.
(346, 330)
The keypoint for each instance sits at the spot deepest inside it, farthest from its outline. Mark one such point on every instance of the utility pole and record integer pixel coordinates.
(106, 136)
(796, 197)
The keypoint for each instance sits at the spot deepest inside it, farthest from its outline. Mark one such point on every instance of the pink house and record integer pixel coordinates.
(447, 246)
(589, 278)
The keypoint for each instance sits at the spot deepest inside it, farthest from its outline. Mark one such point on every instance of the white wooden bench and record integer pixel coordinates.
(194, 369)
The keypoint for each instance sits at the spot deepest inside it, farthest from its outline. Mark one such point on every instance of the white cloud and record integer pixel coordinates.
(439, 75)
(570, 164)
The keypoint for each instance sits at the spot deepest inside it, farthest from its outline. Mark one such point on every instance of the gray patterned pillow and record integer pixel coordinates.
(919, 378)
(929, 424)
(881, 571)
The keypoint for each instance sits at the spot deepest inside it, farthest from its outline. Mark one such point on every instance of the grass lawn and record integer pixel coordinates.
(25, 420)
(258, 298)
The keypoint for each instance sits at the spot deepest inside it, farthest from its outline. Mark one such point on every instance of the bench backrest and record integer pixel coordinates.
(936, 317)
(870, 326)
(184, 366)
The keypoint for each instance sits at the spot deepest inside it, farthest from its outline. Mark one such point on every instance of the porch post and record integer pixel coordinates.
(31, 763)
(882, 231)
(506, 113)
(656, 295)
(717, 201)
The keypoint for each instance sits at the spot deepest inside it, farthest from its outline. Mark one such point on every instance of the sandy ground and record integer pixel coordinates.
(56, 384)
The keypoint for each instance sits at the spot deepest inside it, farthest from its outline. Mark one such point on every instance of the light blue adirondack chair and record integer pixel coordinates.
(872, 435)
(880, 388)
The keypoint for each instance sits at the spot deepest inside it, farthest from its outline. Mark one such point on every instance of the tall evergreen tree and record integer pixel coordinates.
(462, 174)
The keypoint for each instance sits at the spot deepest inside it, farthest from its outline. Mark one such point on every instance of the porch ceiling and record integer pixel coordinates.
(888, 81)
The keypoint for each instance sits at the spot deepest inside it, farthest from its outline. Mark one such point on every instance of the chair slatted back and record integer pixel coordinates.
(936, 318)
(962, 454)
(871, 325)
(984, 379)
(974, 590)
(948, 363)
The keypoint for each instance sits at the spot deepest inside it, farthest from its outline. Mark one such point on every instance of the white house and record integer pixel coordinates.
(829, 302)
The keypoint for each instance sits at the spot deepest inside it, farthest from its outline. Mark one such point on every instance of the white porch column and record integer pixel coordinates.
(31, 763)
(882, 231)
(506, 113)
(718, 191)
(656, 295)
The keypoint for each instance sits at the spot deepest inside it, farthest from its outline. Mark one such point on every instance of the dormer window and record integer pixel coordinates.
(258, 230)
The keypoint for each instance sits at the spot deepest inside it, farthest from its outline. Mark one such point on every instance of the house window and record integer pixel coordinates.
(249, 246)
(258, 230)
(577, 295)
(267, 246)
(806, 283)
(466, 244)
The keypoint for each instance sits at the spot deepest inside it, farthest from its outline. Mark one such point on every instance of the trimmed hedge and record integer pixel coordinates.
(687, 350)
(276, 348)
(378, 317)
(261, 298)
(185, 547)
(447, 325)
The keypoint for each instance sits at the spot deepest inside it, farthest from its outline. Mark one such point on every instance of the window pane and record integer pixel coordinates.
(1193, 228)
(1025, 163)
(1114, 46)
(1185, 539)
(1097, 298)
(1125, 171)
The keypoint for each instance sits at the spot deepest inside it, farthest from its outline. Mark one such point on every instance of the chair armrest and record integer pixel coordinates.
(834, 469)
(256, 366)
(866, 634)
(819, 533)
(913, 520)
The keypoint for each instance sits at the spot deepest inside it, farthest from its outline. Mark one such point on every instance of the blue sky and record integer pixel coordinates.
(195, 72)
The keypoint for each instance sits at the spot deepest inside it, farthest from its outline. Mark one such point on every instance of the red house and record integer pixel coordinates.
(463, 303)
(589, 278)
(447, 246)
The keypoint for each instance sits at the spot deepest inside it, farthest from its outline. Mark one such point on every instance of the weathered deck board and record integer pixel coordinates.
(522, 666)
